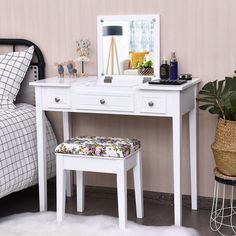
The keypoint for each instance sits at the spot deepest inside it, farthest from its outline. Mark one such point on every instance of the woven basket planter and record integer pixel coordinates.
(146, 71)
(224, 147)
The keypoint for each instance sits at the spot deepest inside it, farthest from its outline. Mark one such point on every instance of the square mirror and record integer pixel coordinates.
(128, 46)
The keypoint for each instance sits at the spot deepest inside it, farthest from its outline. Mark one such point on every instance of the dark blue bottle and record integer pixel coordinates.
(173, 67)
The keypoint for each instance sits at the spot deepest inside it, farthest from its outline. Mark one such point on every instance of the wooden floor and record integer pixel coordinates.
(156, 213)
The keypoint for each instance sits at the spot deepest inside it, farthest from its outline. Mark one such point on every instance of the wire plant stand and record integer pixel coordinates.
(223, 212)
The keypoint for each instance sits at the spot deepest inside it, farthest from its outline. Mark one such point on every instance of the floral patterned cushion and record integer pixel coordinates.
(99, 146)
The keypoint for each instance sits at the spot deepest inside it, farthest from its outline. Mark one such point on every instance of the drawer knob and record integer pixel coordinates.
(57, 99)
(102, 101)
(150, 104)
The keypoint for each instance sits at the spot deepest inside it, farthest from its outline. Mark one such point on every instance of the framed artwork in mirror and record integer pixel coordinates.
(128, 46)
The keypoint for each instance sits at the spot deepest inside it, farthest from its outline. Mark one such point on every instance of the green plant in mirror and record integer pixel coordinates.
(144, 64)
(219, 97)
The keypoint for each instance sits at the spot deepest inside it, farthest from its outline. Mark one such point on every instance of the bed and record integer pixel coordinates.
(18, 146)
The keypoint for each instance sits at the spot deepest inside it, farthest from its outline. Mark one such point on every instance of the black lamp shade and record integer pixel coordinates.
(114, 30)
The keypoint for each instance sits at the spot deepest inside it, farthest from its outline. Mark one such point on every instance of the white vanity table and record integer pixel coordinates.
(86, 95)
(126, 95)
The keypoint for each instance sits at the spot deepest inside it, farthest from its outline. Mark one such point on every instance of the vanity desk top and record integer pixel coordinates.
(92, 81)
(132, 98)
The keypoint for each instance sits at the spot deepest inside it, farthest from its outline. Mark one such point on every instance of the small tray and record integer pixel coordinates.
(167, 82)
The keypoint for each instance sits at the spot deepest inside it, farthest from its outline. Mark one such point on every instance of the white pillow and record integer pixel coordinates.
(13, 67)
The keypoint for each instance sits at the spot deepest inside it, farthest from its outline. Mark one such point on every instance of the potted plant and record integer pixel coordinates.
(145, 67)
(219, 97)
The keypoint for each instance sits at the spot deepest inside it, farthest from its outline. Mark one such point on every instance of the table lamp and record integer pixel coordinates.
(112, 31)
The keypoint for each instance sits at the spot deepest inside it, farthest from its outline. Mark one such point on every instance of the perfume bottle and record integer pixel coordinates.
(173, 67)
(164, 69)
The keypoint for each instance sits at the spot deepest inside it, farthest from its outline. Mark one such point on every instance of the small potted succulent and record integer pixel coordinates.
(145, 67)
(219, 98)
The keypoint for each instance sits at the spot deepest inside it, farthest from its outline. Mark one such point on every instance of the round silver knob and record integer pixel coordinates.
(102, 101)
(57, 99)
(150, 104)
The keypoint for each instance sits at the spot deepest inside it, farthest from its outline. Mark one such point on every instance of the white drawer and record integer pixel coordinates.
(57, 98)
(104, 101)
(152, 103)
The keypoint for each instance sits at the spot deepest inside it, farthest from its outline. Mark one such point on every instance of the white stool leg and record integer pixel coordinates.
(122, 197)
(61, 189)
(80, 190)
(138, 186)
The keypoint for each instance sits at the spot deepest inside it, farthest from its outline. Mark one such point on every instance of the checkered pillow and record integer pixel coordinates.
(13, 67)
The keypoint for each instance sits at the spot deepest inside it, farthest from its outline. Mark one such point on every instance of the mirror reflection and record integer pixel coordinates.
(128, 47)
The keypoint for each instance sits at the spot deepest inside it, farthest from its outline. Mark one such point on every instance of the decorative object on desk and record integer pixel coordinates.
(70, 65)
(167, 82)
(173, 67)
(60, 70)
(185, 77)
(219, 97)
(112, 30)
(145, 67)
(164, 69)
(83, 59)
(83, 47)
(72, 71)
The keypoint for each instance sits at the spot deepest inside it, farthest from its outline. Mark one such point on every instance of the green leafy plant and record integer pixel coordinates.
(219, 97)
(144, 64)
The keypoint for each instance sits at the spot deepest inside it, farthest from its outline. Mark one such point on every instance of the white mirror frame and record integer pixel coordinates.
(101, 19)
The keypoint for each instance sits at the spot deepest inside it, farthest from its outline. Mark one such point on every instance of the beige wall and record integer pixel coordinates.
(202, 32)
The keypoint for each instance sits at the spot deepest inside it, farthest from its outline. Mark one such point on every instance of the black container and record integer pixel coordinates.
(164, 70)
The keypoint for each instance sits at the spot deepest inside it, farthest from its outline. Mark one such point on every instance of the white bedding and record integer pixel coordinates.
(18, 149)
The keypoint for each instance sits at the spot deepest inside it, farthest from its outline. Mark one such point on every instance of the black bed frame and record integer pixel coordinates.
(40, 63)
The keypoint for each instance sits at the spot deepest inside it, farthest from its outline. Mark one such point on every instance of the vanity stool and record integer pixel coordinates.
(104, 155)
(223, 207)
